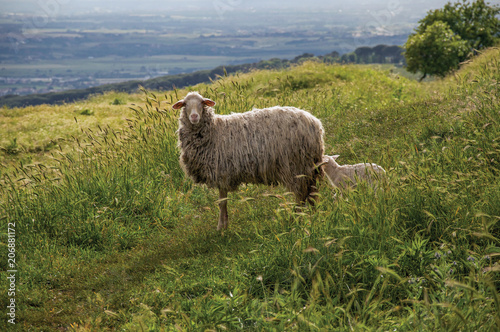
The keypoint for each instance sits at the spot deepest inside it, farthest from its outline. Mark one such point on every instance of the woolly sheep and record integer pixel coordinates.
(263, 146)
(344, 176)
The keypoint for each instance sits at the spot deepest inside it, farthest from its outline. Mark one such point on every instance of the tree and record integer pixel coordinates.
(394, 53)
(436, 51)
(464, 27)
(364, 54)
(303, 57)
(332, 57)
(474, 22)
(379, 53)
(349, 58)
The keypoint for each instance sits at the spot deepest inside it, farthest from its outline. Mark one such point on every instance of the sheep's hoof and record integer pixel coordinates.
(221, 226)
(223, 222)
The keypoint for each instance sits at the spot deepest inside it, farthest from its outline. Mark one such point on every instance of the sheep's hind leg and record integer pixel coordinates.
(306, 194)
(223, 218)
(312, 190)
(312, 197)
(303, 190)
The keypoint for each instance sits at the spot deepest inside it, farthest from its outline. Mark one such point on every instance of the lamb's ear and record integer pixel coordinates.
(335, 156)
(178, 105)
(208, 102)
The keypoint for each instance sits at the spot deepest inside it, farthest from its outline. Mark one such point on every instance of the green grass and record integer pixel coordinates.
(39, 131)
(111, 235)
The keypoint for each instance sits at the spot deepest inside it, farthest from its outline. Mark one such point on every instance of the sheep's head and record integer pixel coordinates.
(329, 163)
(194, 106)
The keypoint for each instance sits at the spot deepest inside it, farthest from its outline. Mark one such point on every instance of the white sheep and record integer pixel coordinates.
(262, 146)
(345, 176)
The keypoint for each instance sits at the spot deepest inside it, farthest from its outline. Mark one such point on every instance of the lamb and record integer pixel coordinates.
(345, 176)
(276, 145)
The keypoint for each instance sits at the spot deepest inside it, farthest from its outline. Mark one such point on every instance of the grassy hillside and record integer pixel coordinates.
(110, 235)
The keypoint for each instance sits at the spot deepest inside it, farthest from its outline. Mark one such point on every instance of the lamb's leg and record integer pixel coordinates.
(223, 218)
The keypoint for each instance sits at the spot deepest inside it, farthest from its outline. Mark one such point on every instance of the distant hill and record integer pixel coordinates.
(377, 54)
(167, 82)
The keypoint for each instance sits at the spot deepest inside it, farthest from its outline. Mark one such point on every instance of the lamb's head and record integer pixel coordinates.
(194, 105)
(329, 163)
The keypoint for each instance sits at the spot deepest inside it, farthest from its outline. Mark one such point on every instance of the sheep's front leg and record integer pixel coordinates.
(223, 218)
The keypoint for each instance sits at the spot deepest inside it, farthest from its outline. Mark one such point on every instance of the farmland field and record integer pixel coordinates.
(79, 51)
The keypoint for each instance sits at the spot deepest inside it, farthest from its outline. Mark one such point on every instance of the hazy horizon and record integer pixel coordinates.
(56, 8)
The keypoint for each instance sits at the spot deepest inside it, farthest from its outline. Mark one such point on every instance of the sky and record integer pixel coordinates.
(71, 7)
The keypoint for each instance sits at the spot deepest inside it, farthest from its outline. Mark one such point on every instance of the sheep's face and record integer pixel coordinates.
(194, 105)
(329, 163)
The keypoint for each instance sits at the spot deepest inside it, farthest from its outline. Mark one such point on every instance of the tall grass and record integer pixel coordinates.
(113, 236)
(30, 134)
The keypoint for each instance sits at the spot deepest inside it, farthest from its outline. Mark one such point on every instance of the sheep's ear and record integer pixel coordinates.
(178, 105)
(335, 156)
(208, 102)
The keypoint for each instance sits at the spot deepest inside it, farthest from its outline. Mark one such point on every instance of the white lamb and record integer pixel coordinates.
(345, 176)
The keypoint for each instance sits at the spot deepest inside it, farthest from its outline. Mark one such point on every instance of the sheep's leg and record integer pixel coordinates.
(223, 218)
(312, 196)
(307, 192)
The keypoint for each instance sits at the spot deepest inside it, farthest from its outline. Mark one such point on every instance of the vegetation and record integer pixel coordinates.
(475, 22)
(448, 36)
(377, 54)
(111, 236)
(436, 51)
(30, 135)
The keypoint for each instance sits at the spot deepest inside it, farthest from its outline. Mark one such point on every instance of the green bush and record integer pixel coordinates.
(87, 111)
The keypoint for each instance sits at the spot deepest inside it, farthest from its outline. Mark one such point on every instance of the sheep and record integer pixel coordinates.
(276, 145)
(345, 176)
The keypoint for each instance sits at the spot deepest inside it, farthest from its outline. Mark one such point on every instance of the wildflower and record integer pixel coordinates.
(437, 255)
(470, 259)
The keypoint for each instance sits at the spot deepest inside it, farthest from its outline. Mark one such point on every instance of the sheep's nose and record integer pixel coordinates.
(194, 118)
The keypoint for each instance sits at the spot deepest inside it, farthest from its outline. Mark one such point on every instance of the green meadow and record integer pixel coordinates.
(111, 236)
